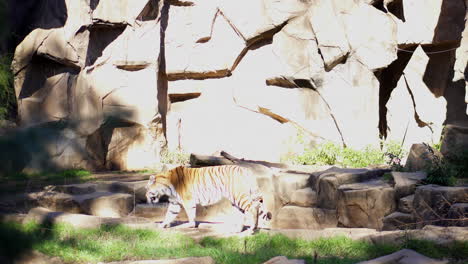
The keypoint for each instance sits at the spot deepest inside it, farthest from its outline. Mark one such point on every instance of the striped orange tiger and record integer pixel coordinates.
(188, 187)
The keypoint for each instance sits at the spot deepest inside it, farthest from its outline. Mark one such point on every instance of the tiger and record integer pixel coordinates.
(187, 187)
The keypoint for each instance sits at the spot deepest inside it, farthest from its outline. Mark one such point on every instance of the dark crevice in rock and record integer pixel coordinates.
(388, 79)
(93, 4)
(99, 39)
(416, 116)
(333, 118)
(180, 3)
(198, 75)
(281, 82)
(396, 8)
(290, 83)
(150, 11)
(379, 4)
(180, 97)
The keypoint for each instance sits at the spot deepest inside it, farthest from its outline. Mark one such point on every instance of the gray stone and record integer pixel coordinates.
(190, 260)
(421, 157)
(107, 204)
(405, 182)
(454, 140)
(398, 220)
(43, 215)
(296, 217)
(328, 182)
(405, 204)
(404, 256)
(304, 197)
(286, 183)
(365, 204)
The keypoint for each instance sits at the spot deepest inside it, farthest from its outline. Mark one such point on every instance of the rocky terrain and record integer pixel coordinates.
(107, 86)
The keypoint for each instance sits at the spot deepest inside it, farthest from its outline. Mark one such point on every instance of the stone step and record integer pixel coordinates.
(297, 217)
(137, 187)
(327, 183)
(106, 204)
(365, 204)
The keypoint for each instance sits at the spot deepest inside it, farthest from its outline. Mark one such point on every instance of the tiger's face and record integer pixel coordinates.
(156, 188)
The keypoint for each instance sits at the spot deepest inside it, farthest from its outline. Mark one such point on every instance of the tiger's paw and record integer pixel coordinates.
(164, 225)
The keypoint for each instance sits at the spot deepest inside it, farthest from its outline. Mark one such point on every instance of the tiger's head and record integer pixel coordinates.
(263, 212)
(157, 187)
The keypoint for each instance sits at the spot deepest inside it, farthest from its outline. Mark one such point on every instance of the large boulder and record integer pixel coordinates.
(328, 182)
(422, 157)
(304, 197)
(365, 204)
(454, 141)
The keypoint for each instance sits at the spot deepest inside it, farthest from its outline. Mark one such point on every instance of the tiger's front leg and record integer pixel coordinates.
(172, 211)
(191, 211)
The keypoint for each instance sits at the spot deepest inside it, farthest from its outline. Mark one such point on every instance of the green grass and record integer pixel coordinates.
(333, 154)
(121, 243)
(7, 92)
(70, 174)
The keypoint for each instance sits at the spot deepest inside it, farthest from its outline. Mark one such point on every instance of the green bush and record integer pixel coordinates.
(7, 92)
(446, 171)
(333, 154)
(175, 157)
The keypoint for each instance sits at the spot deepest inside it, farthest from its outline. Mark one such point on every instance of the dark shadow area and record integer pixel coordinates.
(150, 11)
(388, 79)
(162, 79)
(16, 243)
(100, 37)
(26, 15)
(439, 72)
(37, 73)
(396, 8)
(93, 4)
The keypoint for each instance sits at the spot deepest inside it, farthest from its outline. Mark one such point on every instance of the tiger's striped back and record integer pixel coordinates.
(209, 185)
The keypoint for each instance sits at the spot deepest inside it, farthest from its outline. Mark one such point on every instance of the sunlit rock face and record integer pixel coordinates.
(204, 76)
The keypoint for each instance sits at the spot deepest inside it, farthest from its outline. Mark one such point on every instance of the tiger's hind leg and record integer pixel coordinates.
(191, 211)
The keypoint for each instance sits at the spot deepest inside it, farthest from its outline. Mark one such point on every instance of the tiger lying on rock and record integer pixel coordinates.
(188, 187)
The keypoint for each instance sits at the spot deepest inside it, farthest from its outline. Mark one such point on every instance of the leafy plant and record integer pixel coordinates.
(331, 153)
(7, 93)
(175, 157)
(441, 171)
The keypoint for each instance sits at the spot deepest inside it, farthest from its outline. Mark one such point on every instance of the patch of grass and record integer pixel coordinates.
(71, 174)
(333, 154)
(114, 243)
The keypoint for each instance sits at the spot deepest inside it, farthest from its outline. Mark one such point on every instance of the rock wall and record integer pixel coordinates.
(241, 76)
